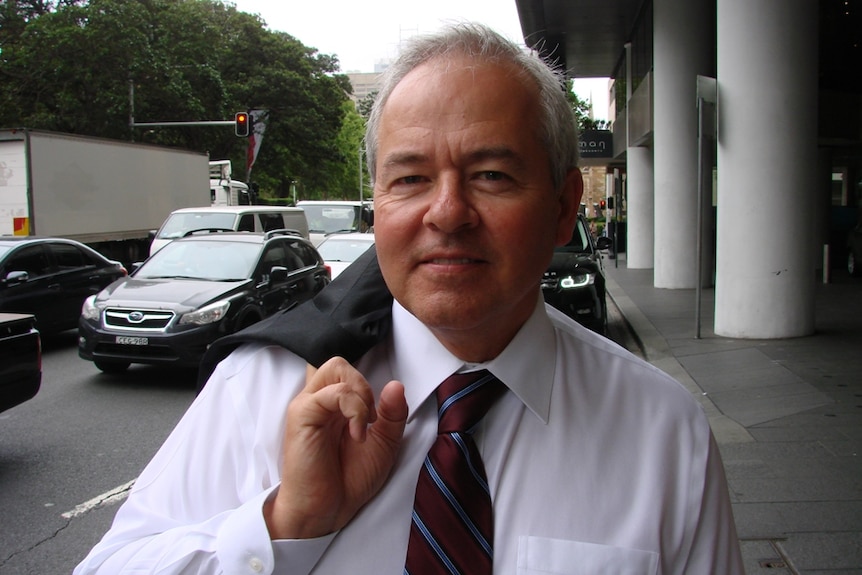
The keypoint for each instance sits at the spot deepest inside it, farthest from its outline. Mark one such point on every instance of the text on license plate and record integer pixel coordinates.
(126, 340)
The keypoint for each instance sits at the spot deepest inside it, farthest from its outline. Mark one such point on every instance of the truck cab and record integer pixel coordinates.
(225, 191)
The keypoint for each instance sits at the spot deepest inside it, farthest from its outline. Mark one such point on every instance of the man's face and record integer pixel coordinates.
(466, 215)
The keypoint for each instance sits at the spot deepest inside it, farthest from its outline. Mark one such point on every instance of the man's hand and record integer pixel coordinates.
(334, 462)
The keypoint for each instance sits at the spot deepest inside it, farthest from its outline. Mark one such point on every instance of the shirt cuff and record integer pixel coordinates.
(244, 547)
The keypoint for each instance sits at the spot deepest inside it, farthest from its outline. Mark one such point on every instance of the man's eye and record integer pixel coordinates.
(410, 180)
(492, 176)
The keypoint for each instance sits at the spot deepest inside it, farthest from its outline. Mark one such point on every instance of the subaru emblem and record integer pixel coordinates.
(136, 316)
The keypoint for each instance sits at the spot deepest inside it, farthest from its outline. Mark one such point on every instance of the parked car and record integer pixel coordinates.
(50, 278)
(574, 283)
(20, 359)
(193, 291)
(854, 251)
(340, 250)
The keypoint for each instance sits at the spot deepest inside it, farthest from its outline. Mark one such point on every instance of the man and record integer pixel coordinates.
(595, 461)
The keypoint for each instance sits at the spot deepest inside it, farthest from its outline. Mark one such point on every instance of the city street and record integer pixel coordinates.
(83, 435)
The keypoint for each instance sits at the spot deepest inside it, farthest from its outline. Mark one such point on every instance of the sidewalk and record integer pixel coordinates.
(786, 413)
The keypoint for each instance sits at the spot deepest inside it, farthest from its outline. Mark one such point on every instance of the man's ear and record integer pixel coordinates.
(570, 202)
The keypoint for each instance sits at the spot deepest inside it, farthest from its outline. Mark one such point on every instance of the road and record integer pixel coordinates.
(83, 439)
(84, 434)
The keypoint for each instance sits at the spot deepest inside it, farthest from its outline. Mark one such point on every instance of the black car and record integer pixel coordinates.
(574, 283)
(50, 278)
(193, 291)
(20, 359)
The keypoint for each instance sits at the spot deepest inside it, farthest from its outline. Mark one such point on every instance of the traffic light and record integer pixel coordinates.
(241, 124)
(602, 205)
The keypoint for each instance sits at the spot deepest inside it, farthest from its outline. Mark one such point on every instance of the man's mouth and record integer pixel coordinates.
(451, 261)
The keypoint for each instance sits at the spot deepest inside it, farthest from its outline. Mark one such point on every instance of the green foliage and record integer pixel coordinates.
(71, 66)
(582, 111)
(350, 144)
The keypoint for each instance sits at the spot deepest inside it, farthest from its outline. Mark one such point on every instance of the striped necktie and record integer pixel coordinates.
(452, 531)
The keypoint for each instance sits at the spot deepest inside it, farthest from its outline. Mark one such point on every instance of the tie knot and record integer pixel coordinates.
(464, 398)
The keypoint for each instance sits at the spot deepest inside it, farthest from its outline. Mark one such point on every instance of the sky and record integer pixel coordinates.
(363, 33)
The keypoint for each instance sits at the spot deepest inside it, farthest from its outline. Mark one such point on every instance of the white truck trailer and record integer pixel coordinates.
(108, 194)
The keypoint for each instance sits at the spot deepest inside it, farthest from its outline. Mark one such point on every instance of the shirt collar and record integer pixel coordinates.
(526, 366)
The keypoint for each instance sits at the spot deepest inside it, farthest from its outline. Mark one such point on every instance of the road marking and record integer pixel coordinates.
(113, 496)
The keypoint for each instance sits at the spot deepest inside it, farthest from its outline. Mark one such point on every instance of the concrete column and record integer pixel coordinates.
(767, 163)
(684, 33)
(641, 210)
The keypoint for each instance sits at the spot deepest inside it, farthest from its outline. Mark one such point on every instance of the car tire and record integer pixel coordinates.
(109, 366)
(853, 267)
(248, 320)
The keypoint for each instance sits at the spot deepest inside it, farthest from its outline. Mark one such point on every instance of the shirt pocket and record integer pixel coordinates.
(539, 555)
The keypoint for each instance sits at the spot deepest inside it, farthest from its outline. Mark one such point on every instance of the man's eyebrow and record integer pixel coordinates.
(496, 153)
(487, 153)
(492, 152)
(404, 158)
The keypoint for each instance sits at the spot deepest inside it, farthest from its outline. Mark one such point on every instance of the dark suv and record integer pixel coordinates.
(193, 291)
(574, 283)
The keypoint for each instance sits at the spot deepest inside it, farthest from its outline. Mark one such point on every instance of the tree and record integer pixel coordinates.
(351, 146)
(72, 66)
(583, 110)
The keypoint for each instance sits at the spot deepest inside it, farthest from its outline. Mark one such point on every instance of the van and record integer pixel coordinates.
(229, 218)
(337, 216)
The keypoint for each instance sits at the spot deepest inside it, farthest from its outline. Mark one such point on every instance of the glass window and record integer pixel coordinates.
(30, 259)
(69, 257)
(272, 222)
(308, 255)
(179, 224)
(246, 223)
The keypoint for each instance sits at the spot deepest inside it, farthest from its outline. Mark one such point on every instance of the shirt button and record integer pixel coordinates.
(256, 565)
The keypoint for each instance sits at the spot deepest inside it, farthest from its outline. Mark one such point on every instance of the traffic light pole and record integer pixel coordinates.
(201, 123)
(133, 124)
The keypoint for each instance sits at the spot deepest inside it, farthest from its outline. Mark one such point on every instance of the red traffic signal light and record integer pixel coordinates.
(602, 204)
(241, 124)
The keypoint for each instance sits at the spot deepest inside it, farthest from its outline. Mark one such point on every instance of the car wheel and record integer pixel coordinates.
(852, 267)
(111, 366)
(248, 320)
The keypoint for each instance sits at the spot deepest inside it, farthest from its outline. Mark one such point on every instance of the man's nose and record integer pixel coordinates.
(451, 207)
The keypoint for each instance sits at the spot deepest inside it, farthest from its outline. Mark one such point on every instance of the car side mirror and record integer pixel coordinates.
(15, 278)
(277, 274)
(604, 243)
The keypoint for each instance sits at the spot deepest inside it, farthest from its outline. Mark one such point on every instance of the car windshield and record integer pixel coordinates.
(329, 219)
(216, 261)
(177, 225)
(337, 249)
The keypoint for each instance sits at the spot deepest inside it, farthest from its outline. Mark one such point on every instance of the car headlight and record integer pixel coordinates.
(208, 314)
(577, 280)
(89, 310)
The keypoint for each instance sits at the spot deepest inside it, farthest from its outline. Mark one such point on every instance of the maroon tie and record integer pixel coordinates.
(453, 528)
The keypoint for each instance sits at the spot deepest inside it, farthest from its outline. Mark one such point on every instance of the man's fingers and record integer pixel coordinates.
(392, 413)
(338, 387)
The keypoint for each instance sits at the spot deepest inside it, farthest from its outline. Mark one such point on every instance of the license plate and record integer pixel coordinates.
(126, 340)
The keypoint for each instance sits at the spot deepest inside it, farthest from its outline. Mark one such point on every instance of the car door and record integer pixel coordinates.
(276, 293)
(78, 276)
(37, 293)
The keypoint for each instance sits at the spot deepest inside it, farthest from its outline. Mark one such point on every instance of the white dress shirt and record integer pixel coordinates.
(598, 463)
